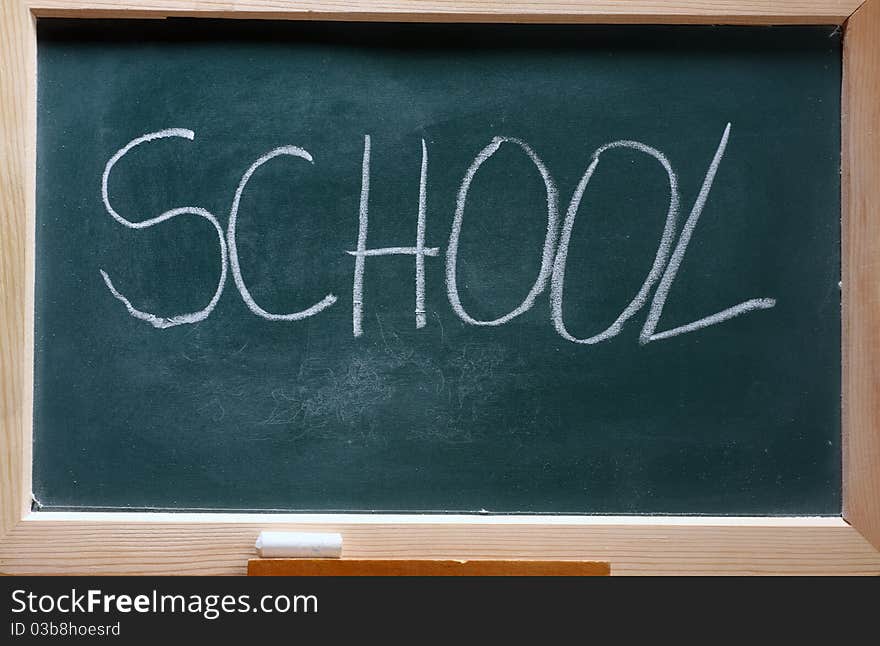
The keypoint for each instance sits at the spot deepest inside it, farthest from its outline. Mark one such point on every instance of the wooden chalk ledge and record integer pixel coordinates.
(423, 567)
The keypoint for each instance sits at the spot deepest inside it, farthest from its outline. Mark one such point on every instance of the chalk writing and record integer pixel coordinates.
(152, 319)
(326, 302)
(554, 253)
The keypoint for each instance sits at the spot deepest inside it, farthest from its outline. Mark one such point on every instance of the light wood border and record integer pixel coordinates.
(568, 11)
(157, 543)
(860, 191)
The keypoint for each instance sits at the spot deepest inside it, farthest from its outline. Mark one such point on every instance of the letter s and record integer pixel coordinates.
(15, 597)
(152, 319)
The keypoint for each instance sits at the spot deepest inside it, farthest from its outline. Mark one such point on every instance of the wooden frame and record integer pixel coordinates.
(160, 543)
(423, 567)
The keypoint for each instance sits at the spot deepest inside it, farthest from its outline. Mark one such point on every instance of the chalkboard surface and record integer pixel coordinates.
(316, 266)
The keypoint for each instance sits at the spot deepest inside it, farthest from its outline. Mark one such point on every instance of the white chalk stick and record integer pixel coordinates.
(299, 544)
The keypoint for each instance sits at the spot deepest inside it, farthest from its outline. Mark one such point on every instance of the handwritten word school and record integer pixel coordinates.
(554, 253)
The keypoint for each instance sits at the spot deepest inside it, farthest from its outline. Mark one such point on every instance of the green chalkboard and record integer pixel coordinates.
(628, 305)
